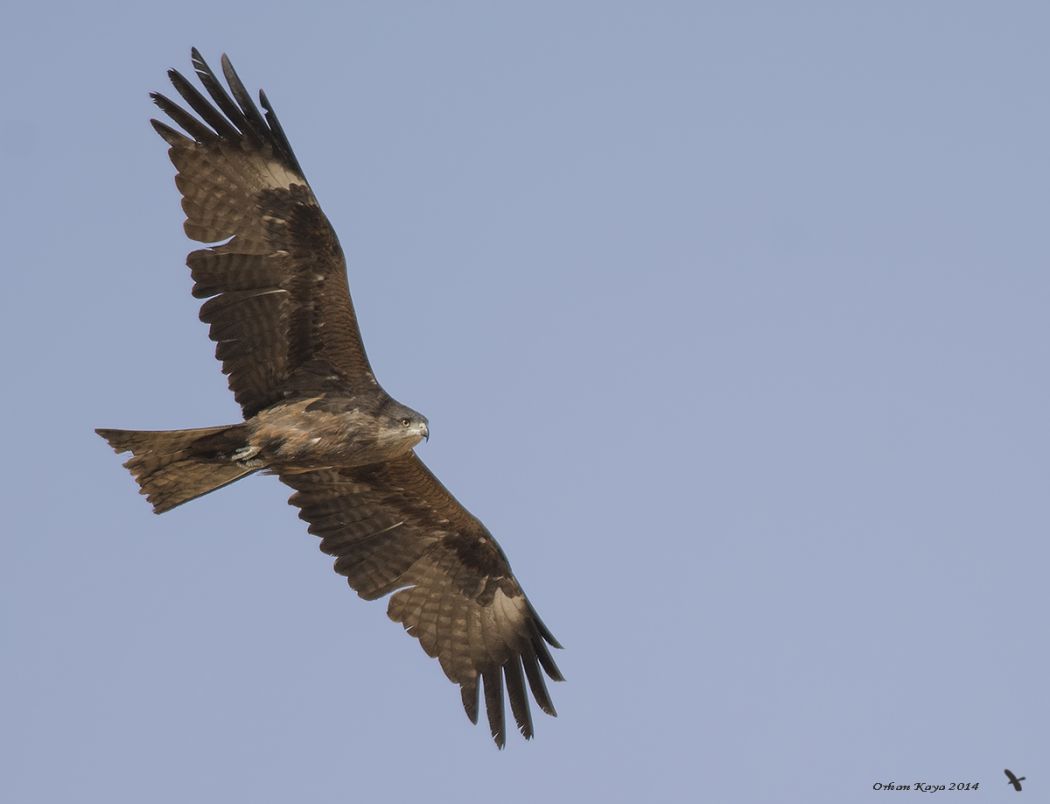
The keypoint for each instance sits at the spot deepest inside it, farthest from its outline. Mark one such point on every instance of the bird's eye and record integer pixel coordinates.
(406, 422)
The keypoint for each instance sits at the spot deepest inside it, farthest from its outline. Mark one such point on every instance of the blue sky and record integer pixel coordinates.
(730, 321)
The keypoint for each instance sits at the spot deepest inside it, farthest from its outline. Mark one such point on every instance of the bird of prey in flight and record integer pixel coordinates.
(278, 305)
(1011, 779)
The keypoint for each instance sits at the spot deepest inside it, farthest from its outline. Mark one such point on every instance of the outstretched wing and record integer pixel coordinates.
(275, 279)
(394, 528)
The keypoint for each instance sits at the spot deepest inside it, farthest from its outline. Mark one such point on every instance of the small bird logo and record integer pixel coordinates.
(1013, 779)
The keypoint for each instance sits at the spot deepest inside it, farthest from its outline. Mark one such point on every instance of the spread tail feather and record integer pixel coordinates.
(175, 466)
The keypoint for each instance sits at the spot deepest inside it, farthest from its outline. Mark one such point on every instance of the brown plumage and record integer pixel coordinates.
(278, 306)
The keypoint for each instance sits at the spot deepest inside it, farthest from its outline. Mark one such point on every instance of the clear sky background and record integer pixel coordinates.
(731, 322)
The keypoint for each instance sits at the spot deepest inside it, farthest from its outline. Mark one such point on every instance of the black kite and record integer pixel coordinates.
(279, 308)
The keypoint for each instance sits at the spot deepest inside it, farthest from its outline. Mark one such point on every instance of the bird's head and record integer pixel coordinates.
(403, 426)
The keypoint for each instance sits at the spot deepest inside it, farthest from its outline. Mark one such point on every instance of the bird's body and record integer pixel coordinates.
(279, 310)
(333, 431)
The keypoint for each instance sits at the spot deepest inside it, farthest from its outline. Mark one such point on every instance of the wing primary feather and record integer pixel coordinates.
(170, 135)
(547, 660)
(200, 105)
(279, 137)
(190, 124)
(218, 94)
(494, 704)
(519, 700)
(469, 692)
(244, 100)
(543, 630)
(536, 683)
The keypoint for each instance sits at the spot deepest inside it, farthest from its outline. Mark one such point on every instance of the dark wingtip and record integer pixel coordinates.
(514, 682)
(546, 660)
(535, 678)
(543, 630)
(257, 127)
(167, 133)
(493, 681)
(197, 60)
(280, 139)
(469, 693)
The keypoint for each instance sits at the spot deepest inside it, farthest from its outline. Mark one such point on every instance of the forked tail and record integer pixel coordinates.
(176, 466)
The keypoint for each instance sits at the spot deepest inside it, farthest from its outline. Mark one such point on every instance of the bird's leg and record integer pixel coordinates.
(244, 457)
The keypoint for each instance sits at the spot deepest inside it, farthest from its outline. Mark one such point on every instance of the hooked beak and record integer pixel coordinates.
(426, 432)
